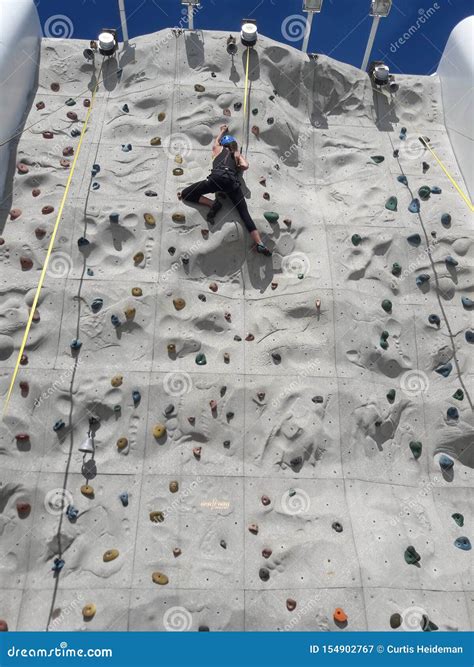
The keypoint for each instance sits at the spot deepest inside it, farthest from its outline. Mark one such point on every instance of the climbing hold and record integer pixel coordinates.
(458, 518)
(22, 168)
(197, 452)
(377, 158)
(264, 574)
(291, 604)
(15, 213)
(318, 399)
(124, 498)
(156, 516)
(205, 233)
(356, 239)
(176, 552)
(249, 337)
(75, 133)
(46, 210)
(72, 115)
(422, 279)
(149, 219)
(89, 611)
(24, 360)
(66, 164)
(391, 393)
(446, 220)
(171, 347)
(255, 131)
(213, 287)
(412, 556)
(402, 179)
(136, 397)
(450, 261)
(403, 133)
(201, 359)
(435, 190)
(159, 578)
(424, 192)
(395, 621)
(169, 410)
(383, 344)
(226, 357)
(452, 413)
(414, 206)
(82, 242)
(174, 486)
(391, 204)
(97, 304)
(427, 625)
(463, 543)
(126, 148)
(129, 313)
(117, 380)
(396, 269)
(72, 513)
(122, 443)
(178, 217)
(339, 615)
(137, 291)
(237, 106)
(287, 222)
(156, 141)
(416, 447)
(177, 171)
(95, 169)
(36, 192)
(23, 509)
(125, 108)
(26, 263)
(48, 135)
(387, 305)
(159, 430)
(253, 528)
(265, 500)
(395, 153)
(138, 257)
(445, 462)
(114, 217)
(266, 196)
(110, 554)
(199, 88)
(58, 425)
(40, 106)
(337, 526)
(40, 232)
(276, 357)
(87, 490)
(445, 369)
(467, 302)
(434, 319)
(24, 387)
(151, 193)
(213, 405)
(458, 395)
(414, 239)
(86, 102)
(469, 336)
(115, 320)
(161, 116)
(179, 303)
(260, 395)
(425, 166)
(58, 565)
(271, 217)
(68, 151)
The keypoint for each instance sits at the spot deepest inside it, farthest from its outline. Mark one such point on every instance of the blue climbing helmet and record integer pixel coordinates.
(227, 139)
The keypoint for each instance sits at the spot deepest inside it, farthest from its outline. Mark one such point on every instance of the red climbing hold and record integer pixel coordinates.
(68, 151)
(40, 105)
(256, 131)
(26, 263)
(24, 388)
(40, 233)
(46, 210)
(65, 163)
(22, 168)
(23, 509)
(24, 360)
(15, 213)
(48, 135)
(3, 625)
(22, 437)
(87, 103)
(55, 87)
(72, 115)
(36, 192)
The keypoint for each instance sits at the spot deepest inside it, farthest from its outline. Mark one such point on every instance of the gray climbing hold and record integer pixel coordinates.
(395, 153)
(201, 359)
(416, 448)
(445, 369)
(337, 527)
(136, 397)
(445, 462)
(124, 498)
(402, 179)
(125, 108)
(396, 269)
(70, 102)
(422, 279)
(276, 357)
(58, 425)
(463, 543)
(75, 133)
(391, 204)
(446, 220)
(412, 556)
(467, 302)
(114, 217)
(435, 190)
(414, 206)
(58, 565)
(90, 272)
(434, 319)
(391, 393)
(95, 169)
(95, 186)
(169, 410)
(151, 193)
(458, 395)
(97, 304)
(450, 261)
(452, 413)
(414, 239)
(425, 166)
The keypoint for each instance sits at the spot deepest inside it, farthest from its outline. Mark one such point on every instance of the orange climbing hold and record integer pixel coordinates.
(340, 615)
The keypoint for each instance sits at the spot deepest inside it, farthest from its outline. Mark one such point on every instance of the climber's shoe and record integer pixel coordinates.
(214, 210)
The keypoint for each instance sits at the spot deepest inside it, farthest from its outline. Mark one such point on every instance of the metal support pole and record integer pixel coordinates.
(370, 43)
(123, 19)
(191, 17)
(307, 31)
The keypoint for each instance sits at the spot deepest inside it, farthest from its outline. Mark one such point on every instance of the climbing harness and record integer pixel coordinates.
(51, 245)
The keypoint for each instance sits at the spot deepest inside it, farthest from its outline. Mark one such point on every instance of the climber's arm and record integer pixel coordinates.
(242, 163)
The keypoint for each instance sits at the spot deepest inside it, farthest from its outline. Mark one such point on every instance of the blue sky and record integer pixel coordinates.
(341, 30)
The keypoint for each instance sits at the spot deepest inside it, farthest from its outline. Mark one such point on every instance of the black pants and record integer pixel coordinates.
(217, 183)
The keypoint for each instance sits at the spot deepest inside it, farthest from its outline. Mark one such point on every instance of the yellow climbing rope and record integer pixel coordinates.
(50, 248)
(463, 195)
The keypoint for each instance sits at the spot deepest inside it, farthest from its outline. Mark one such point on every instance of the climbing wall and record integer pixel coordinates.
(281, 443)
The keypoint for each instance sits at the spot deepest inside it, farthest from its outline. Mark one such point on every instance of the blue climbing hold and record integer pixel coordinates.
(58, 425)
(125, 108)
(414, 239)
(435, 190)
(446, 220)
(414, 206)
(402, 179)
(445, 462)
(422, 279)
(72, 513)
(114, 217)
(124, 498)
(452, 413)
(95, 169)
(126, 148)
(97, 304)
(90, 272)
(434, 319)
(75, 133)
(467, 302)
(76, 344)
(58, 564)
(115, 320)
(450, 261)
(82, 242)
(463, 543)
(136, 397)
(403, 133)
(469, 336)
(445, 369)
(95, 186)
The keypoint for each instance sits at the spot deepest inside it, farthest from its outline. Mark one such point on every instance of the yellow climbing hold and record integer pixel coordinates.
(157, 516)
(161, 116)
(171, 347)
(178, 159)
(178, 217)
(122, 443)
(138, 257)
(159, 578)
(159, 430)
(87, 490)
(156, 141)
(89, 611)
(137, 291)
(117, 380)
(178, 171)
(149, 219)
(179, 303)
(174, 486)
(110, 554)
(130, 313)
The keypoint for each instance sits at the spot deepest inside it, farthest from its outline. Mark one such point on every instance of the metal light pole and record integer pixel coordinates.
(311, 7)
(378, 9)
(191, 4)
(123, 20)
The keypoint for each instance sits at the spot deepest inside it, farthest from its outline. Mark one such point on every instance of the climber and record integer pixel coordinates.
(224, 177)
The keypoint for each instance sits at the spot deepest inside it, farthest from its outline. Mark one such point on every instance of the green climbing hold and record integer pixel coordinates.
(271, 216)
(70, 102)
(387, 305)
(459, 519)
(201, 359)
(356, 239)
(396, 269)
(300, 276)
(458, 394)
(391, 204)
(412, 556)
(416, 447)
(383, 344)
(377, 158)
(424, 192)
(384, 335)
(391, 393)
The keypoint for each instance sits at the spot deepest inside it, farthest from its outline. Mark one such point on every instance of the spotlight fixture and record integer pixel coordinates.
(249, 33)
(378, 9)
(108, 43)
(311, 7)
